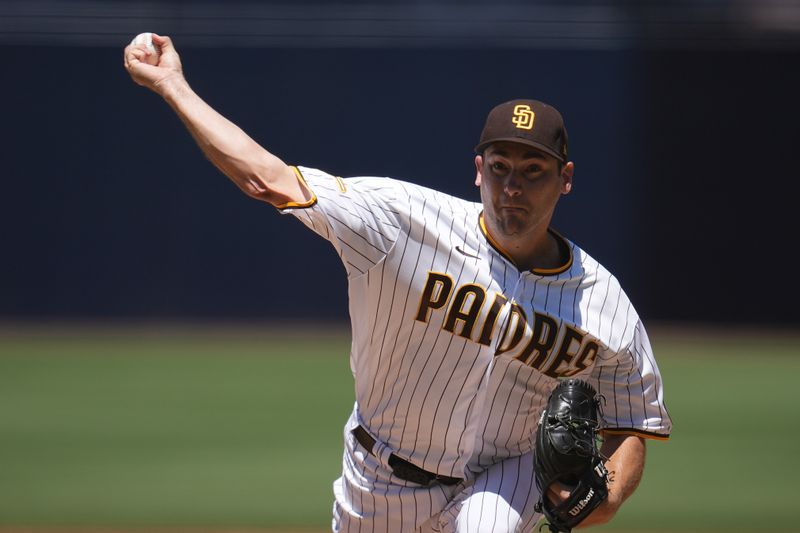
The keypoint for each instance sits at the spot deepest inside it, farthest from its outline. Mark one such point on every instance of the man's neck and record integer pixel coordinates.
(536, 250)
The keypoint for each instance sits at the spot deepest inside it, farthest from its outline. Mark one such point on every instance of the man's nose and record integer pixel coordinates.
(513, 185)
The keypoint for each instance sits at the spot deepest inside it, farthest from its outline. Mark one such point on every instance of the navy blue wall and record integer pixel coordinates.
(685, 187)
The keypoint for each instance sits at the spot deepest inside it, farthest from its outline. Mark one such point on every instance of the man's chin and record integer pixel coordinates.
(512, 228)
(512, 220)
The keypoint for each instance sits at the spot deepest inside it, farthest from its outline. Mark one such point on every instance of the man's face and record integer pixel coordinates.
(520, 187)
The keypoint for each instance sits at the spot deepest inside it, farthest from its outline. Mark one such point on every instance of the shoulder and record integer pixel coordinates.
(609, 313)
(407, 189)
(392, 191)
(589, 269)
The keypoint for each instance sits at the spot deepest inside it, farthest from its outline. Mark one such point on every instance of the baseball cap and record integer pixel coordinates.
(528, 122)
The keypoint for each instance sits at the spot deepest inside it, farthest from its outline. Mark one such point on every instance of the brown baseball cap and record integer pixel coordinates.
(528, 122)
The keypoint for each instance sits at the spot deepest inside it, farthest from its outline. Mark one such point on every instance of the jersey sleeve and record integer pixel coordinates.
(631, 385)
(358, 216)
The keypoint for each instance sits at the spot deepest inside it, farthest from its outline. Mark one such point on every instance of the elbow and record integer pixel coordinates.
(277, 185)
(257, 183)
(264, 182)
(248, 182)
(257, 190)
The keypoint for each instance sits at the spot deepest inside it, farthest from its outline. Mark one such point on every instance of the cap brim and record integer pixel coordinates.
(539, 146)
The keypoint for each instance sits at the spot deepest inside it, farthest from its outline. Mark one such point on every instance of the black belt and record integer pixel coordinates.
(402, 468)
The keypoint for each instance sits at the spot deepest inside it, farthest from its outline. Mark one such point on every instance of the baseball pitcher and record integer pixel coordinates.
(490, 353)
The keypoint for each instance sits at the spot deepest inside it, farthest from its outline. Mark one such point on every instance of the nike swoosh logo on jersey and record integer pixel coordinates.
(468, 254)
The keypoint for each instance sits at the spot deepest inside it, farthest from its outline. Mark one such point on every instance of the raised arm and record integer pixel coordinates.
(253, 169)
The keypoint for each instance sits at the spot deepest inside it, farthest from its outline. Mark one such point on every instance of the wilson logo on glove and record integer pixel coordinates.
(581, 504)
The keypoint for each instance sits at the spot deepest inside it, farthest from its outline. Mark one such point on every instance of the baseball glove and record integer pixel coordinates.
(566, 452)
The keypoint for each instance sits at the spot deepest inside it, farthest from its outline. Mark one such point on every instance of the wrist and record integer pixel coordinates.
(172, 88)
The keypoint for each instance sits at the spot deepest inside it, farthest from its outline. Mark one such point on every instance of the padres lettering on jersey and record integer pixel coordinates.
(454, 350)
(532, 343)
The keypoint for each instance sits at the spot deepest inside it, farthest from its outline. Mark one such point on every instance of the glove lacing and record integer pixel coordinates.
(578, 428)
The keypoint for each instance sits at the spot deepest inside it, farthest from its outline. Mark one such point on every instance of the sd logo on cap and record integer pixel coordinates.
(514, 121)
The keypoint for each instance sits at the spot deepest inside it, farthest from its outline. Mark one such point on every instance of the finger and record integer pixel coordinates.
(557, 493)
(127, 54)
(137, 66)
(136, 54)
(163, 41)
(129, 58)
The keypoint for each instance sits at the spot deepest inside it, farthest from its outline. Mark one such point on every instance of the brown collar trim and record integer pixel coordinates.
(562, 244)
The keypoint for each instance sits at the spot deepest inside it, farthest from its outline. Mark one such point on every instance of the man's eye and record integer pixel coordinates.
(534, 168)
(498, 166)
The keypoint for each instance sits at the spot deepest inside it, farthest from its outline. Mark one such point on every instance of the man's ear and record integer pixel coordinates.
(566, 177)
(478, 169)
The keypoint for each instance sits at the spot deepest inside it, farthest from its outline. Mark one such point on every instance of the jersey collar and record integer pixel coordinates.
(562, 244)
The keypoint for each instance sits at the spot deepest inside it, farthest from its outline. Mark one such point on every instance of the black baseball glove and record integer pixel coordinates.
(566, 452)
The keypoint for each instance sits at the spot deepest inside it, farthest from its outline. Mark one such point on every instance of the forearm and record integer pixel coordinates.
(252, 168)
(625, 465)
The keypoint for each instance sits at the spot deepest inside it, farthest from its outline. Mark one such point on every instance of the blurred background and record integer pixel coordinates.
(682, 119)
(140, 292)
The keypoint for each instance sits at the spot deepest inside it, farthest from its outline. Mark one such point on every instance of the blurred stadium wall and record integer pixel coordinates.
(683, 121)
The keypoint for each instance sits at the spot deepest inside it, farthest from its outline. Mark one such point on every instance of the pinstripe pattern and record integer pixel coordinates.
(427, 388)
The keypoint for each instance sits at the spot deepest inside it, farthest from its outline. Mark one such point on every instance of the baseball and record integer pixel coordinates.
(146, 40)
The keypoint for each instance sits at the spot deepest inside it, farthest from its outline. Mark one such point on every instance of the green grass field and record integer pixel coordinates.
(207, 426)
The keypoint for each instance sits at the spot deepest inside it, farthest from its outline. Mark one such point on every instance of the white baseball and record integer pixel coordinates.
(146, 40)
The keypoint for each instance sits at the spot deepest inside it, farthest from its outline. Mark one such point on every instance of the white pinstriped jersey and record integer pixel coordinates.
(454, 351)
